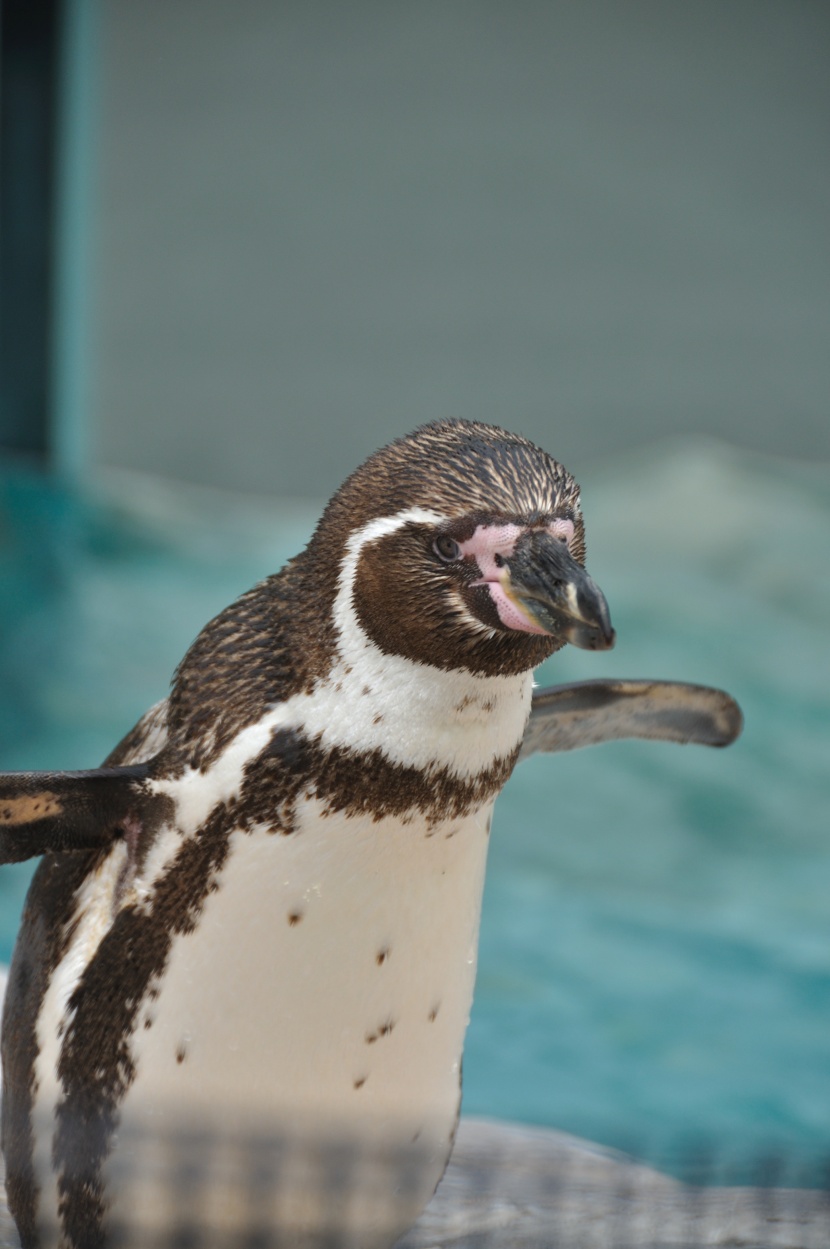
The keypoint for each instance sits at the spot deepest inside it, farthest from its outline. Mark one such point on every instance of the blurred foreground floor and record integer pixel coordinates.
(512, 1187)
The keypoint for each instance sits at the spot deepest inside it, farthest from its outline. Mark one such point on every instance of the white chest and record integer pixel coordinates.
(330, 976)
(323, 997)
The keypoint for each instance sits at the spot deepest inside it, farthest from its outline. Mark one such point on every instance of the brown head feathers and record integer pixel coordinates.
(280, 638)
(459, 468)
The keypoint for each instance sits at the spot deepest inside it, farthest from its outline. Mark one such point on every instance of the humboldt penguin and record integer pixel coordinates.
(262, 912)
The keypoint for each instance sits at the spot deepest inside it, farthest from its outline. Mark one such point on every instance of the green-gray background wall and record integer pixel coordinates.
(316, 224)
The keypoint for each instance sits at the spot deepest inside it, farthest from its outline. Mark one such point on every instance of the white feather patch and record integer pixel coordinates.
(94, 905)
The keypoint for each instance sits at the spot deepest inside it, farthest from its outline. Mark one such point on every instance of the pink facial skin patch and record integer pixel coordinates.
(491, 546)
(511, 614)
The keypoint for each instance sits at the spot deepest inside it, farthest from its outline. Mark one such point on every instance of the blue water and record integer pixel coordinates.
(655, 951)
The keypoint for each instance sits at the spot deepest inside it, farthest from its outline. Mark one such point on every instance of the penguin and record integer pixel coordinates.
(262, 912)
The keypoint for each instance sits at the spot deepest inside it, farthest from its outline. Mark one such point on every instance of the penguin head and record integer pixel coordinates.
(462, 546)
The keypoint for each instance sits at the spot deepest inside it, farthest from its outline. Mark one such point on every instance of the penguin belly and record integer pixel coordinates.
(323, 997)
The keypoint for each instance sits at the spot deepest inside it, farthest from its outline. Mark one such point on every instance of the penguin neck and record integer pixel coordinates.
(293, 651)
(415, 714)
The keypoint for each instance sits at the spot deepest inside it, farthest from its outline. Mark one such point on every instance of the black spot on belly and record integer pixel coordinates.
(382, 955)
(181, 1052)
(294, 918)
(358, 1084)
(381, 1030)
(433, 1014)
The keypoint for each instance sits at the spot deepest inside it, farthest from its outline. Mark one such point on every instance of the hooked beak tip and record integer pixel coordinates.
(559, 595)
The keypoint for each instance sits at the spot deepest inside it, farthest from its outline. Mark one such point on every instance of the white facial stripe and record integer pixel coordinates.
(410, 711)
(344, 614)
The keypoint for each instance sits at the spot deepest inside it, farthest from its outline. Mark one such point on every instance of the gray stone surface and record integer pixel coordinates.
(513, 1187)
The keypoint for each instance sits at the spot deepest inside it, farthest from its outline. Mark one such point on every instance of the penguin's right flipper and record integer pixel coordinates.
(65, 811)
(568, 717)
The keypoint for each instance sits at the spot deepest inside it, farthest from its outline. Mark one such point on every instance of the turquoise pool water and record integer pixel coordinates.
(655, 952)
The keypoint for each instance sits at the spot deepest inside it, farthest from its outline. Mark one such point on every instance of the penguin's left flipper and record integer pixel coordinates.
(65, 811)
(567, 717)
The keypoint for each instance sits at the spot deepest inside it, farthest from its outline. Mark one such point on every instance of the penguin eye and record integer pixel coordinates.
(446, 548)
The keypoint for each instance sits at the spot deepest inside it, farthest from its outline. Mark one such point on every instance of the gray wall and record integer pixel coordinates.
(319, 224)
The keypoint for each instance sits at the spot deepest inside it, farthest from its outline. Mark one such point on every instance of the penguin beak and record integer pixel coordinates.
(546, 583)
